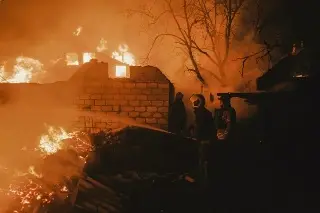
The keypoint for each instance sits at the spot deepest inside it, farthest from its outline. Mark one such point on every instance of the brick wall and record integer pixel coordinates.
(144, 97)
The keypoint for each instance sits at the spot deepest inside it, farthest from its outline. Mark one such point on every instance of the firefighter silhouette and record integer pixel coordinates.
(225, 119)
(177, 115)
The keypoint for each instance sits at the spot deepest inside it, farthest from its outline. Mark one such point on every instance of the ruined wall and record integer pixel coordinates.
(144, 98)
(145, 102)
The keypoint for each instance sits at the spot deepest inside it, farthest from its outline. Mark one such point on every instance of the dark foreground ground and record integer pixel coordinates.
(272, 165)
(145, 172)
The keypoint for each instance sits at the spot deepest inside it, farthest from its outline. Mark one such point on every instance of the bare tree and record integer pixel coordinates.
(265, 53)
(261, 20)
(202, 27)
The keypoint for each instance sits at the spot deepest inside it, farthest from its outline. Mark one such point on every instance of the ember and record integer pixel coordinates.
(78, 31)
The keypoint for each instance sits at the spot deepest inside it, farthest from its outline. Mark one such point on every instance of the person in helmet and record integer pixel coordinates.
(177, 115)
(225, 119)
(204, 123)
(204, 132)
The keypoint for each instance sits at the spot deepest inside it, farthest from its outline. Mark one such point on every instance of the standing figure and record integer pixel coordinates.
(204, 132)
(177, 115)
(225, 119)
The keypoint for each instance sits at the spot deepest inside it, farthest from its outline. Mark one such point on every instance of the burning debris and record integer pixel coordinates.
(53, 141)
(61, 156)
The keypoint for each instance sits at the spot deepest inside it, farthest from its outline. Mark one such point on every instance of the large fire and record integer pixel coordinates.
(49, 181)
(125, 57)
(25, 70)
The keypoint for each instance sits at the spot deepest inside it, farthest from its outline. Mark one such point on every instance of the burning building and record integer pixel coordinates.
(101, 100)
(113, 89)
(119, 62)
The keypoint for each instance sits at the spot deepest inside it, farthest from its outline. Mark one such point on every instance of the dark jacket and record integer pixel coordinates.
(224, 116)
(204, 124)
(177, 117)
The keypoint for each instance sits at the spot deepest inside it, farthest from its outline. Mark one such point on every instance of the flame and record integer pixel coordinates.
(102, 45)
(72, 59)
(78, 31)
(124, 56)
(25, 70)
(88, 56)
(123, 48)
(32, 171)
(55, 61)
(30, 188)
(52, 142)
(2, 73)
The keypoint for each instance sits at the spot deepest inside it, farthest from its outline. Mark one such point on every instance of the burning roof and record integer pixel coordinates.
(99, 70)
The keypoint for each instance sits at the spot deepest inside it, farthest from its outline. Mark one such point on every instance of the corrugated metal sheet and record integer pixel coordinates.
(94, 196)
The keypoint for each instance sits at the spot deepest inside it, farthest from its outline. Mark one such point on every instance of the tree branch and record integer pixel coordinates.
(179, 41)
(147, 13)
(259, 55)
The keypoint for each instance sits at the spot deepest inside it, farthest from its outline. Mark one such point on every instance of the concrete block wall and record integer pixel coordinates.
(144, 102)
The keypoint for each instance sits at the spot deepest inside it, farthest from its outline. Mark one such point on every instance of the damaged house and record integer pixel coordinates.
(102, 93)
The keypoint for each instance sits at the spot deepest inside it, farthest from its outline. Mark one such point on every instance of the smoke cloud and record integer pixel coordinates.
(44, 30)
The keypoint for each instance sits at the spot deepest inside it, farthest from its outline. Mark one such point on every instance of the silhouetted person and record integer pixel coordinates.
(225, 120)
(204, 131)
(177, 115)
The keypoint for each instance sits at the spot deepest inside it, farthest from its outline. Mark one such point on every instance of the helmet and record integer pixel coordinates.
(225, 99)
(197, 100)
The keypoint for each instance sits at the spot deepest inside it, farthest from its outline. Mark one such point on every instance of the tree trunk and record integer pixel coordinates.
(222, 73)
